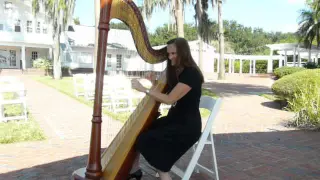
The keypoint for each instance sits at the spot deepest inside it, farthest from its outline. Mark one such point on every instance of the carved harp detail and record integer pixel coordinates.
(128, 12)
(116, 161)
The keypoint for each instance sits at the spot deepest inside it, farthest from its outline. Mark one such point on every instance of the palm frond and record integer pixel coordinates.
(309, 26)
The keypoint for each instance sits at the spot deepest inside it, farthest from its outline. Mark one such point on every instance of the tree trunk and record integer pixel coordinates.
(179, 18)
(199, 13)
(97, 18)
(56, 40)
(221, 74)
(56, 59)
(200, 52)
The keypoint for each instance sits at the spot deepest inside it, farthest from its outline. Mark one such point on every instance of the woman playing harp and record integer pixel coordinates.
(173, 134)
(169, 137)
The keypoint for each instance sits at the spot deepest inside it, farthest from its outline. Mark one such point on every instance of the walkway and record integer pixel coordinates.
(251, 141)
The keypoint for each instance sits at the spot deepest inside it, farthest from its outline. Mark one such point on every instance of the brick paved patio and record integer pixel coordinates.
(251, 141)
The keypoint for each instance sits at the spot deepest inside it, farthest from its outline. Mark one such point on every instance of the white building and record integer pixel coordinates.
(23, 37)
(299, 53)
(78, 51)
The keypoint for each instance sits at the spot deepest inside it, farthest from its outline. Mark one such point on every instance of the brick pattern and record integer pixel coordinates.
(250, 138)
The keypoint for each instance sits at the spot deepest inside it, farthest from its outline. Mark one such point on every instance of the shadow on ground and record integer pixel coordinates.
(259, 155)
(233, 89)
(273, 105)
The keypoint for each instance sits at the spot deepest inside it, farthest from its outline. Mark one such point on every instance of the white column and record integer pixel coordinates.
(233, 66)
(213, 64)
(230, 64)
(23, 57)
(50, 54)
(285, 58)
(294, 56)
(309, 56)
(254, 66)
(280, 62)
(240, 70)
(299, 59)
(250, 67)
(270, 63)
(218, 66)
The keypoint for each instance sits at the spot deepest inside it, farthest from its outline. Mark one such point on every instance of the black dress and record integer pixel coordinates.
(169, 137)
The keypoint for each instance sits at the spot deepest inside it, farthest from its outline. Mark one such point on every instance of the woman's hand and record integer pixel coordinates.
(137, 85)
(151, 76)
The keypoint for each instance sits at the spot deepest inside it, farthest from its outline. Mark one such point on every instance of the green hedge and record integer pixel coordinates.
(288, 85)
(302, 92)
(311, 65)
(283, 71)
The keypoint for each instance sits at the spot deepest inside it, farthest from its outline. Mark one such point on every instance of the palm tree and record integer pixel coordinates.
(203, 24)
(58, 12)
(309, 26)
(175, 10)
(221, 74)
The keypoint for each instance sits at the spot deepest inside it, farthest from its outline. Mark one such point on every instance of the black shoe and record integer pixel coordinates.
(136, 175)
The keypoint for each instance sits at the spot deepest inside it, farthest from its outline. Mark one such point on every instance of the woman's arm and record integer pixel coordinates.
(177, 93)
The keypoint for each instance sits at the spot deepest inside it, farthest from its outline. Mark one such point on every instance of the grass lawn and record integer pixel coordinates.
(65, 85)
(19, 131)
(271, 97)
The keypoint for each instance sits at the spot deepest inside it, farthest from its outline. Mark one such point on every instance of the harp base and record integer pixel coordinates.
(79, 174)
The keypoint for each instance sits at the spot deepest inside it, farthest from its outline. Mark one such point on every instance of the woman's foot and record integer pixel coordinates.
(136, 175)
(164, 176)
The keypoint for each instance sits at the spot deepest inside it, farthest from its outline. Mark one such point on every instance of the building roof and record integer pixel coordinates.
(85, 36)
(194, 45)
(289, 49)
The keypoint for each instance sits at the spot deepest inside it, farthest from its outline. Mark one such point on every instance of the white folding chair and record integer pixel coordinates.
(19, 89)
(213, 106)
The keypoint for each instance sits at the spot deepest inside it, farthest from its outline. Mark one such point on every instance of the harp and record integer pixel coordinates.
(116, 161)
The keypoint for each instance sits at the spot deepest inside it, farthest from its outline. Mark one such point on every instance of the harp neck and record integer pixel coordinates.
(127, 12)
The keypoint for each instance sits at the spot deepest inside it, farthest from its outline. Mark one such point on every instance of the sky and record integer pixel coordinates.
(270, 15)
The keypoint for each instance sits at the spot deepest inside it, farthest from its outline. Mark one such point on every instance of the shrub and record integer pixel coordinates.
(288, 85)
(42, 63)
(283, 71)
(306, 104)
(302, 92)
(311, 65)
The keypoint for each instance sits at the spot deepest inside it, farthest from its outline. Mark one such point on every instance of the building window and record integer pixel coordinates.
(109, 60)
(34, 55)
(119, 58)
(29, 26)
(13, 59)
(38, 28)
(17, 27)
(1, 27)
(7, 6)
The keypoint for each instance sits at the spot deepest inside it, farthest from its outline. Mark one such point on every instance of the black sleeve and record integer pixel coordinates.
(188, 77)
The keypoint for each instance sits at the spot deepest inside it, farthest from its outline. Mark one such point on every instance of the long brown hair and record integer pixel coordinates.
(184, 59)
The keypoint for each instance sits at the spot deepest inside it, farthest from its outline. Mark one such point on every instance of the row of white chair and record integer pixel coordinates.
(118, 94)
(10, 86)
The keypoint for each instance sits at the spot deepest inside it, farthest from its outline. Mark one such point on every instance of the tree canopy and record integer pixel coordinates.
(239, 39)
